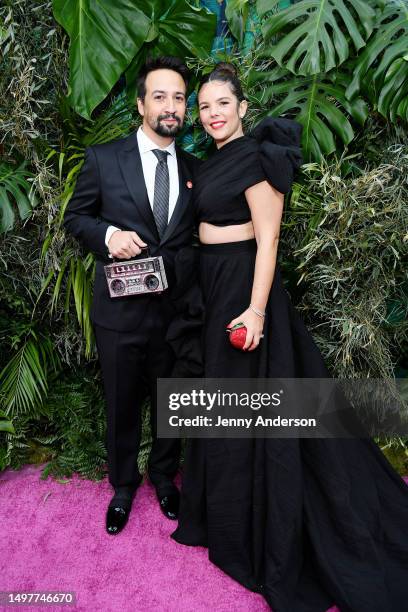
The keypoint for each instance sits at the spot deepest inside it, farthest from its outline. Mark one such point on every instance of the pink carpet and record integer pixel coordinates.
(53, 539)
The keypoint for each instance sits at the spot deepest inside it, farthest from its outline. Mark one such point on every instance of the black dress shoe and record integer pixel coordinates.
(116, 518)
(119, 509)
(169, 504)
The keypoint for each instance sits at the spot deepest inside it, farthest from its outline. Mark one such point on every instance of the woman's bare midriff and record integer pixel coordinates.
(213, 234)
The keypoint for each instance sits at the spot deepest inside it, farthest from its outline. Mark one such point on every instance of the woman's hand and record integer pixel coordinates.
(254, 324)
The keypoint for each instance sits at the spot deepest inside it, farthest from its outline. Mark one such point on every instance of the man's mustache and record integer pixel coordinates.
(170, 116)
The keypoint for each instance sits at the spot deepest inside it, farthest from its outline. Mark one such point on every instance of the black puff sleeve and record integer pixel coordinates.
(279, 150)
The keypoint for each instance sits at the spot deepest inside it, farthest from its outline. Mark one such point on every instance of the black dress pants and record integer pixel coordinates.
(131, 362)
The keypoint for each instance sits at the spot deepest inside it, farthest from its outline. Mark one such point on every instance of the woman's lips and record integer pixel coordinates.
(217, 125)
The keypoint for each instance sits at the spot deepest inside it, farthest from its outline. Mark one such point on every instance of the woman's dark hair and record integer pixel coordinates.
(226, 73)
(164, 61)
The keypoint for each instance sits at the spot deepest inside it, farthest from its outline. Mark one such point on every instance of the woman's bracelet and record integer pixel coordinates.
(256, 311)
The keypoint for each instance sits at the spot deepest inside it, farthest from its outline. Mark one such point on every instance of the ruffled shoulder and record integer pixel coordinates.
(279, 150)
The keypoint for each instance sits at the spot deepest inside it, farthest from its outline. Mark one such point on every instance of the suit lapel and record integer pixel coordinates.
(132, 170)
(183, 199)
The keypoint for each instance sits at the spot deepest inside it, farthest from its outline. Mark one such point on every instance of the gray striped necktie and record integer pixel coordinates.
(161, 191)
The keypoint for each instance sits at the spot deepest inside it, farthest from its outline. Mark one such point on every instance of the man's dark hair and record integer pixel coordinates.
(164, 61)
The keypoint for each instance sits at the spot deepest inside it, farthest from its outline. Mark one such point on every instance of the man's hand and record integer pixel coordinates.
(125, 245)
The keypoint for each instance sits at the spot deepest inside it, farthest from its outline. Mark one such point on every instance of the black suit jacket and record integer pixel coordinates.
(111, 190)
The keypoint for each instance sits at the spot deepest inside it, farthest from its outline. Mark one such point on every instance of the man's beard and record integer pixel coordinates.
(167, 130)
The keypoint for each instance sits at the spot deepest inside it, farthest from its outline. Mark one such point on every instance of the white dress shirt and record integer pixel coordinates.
(149, 163)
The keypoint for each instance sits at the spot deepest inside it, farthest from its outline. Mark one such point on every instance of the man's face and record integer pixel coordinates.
(164, 106)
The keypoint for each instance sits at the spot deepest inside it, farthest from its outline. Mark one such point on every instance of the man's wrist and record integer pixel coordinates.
(109, 232)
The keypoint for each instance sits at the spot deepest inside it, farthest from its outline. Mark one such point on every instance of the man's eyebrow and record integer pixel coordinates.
(163, 92)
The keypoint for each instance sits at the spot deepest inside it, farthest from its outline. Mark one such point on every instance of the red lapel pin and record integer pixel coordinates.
(189, 184)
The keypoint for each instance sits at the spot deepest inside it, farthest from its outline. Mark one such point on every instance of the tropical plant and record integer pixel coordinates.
(68, 434)
(24, 379)
(237, 13)
(15, 190)
(352, 261)
(68, 273)
(5, 423)
(316, 45)
(76, 427)
(315, 35)
(381, 71)
(318, 102)
(118, 38)
(295, 60)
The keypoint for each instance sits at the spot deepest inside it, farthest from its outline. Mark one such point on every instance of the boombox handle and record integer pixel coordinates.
(146, 253)
(142, 254)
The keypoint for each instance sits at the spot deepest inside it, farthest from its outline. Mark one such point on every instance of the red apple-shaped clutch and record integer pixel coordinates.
(237, 335)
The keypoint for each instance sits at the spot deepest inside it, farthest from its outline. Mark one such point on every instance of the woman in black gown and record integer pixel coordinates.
(308, 523)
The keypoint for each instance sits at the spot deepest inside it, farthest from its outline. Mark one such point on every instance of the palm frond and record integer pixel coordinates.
(23, 380)
(15, 191)
(5, 423)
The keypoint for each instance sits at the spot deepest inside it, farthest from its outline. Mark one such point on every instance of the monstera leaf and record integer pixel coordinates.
(318, 102)
(105, 36)
(316, 33)
(237, 12)
(177, 28)
(384, 63)
(393, 98)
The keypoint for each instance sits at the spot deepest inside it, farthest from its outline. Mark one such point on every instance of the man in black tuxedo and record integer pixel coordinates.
(131, 193)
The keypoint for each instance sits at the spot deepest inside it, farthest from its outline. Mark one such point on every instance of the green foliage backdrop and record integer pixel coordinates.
(339, 67)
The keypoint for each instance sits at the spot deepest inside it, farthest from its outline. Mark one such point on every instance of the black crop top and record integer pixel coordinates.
(270, 152)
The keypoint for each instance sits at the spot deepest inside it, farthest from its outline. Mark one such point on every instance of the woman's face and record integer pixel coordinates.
(220, 112)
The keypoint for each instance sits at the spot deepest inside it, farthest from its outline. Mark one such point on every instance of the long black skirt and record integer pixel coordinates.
(308, 523)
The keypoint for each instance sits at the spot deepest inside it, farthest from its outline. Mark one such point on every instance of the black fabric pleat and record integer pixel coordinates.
(309, 523)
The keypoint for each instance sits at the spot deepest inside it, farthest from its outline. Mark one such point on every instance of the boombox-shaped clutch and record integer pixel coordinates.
(136, 277)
